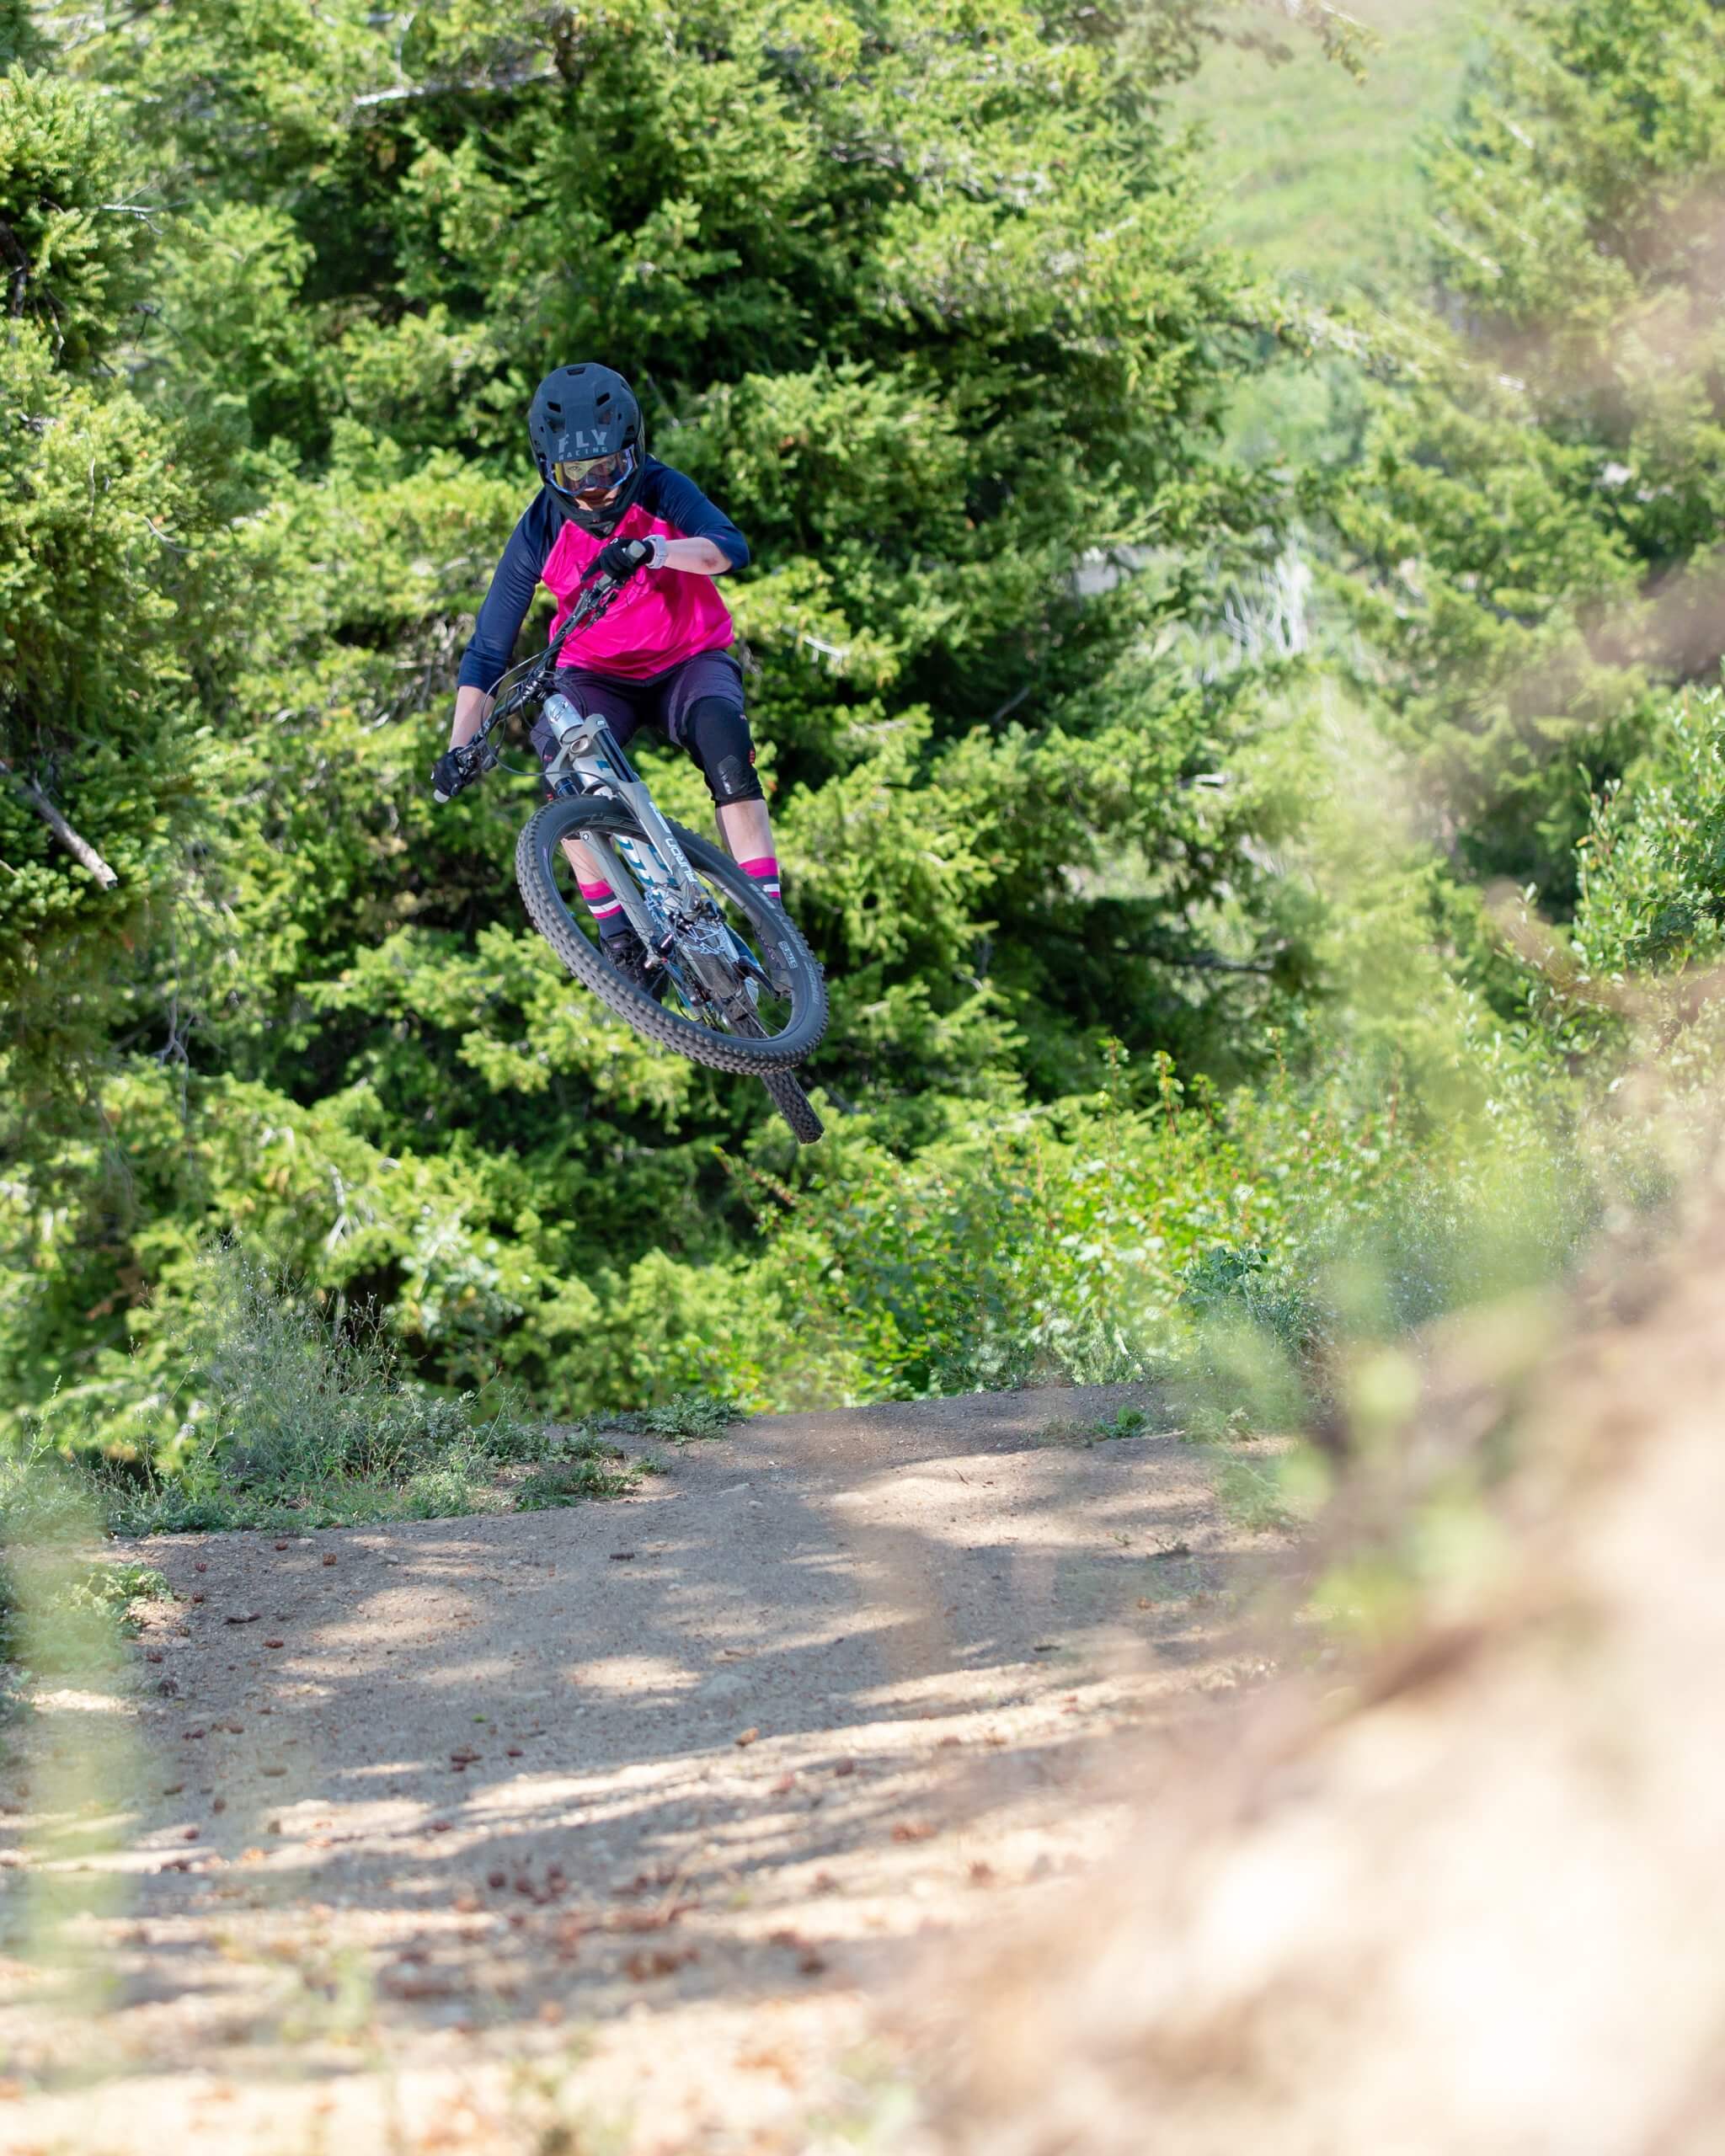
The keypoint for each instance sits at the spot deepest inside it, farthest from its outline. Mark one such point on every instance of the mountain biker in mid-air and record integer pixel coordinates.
(660, 654)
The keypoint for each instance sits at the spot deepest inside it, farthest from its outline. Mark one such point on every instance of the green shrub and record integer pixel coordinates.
(298, 1400)
(62, 1613)
(284, 1413)
(1649, 921)
(1053, 1243)
(1244, 1282)
(690, 1414)
(589, 1469)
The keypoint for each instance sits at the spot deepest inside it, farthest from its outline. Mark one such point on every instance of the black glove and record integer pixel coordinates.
(621, 559)
(451, 773)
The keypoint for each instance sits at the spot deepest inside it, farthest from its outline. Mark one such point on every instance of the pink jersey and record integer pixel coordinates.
(659, 618)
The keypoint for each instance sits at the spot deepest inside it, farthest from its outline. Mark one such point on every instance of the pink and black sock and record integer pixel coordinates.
(764, 868)
(606, 908)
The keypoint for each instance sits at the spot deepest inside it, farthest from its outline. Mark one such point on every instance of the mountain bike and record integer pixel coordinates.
(731, 983)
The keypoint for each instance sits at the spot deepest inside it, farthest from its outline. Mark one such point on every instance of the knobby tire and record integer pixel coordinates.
(537, 852)
(785, 1090)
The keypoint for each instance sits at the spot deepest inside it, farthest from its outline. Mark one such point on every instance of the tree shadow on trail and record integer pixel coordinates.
(742, 1734)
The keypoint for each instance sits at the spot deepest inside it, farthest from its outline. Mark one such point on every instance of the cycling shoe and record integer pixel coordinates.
(629, 955)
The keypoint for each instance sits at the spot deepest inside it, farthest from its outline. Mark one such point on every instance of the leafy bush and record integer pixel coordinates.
(690, 1414)
(1244, 1282)
(1277, 1325)
(297, 1400)
(1261, 1333)
(1649, 925)
(58, 1609)
(285, 1412)
(1053, 1243)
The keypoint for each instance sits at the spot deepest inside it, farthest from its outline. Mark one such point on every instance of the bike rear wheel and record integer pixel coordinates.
(779, 1013)
(784, 1090)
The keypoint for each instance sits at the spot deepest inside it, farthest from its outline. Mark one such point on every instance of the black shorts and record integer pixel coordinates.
(664, 701)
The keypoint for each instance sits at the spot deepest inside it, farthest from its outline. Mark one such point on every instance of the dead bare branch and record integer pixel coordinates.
(79, 848)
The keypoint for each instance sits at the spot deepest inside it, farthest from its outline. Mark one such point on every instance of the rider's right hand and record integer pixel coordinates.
(620, 560)
(451, 773)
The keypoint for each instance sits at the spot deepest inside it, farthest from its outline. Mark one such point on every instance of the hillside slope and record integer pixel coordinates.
(1317, 175)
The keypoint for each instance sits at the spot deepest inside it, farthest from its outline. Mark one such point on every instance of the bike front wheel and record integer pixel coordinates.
(775, 1012)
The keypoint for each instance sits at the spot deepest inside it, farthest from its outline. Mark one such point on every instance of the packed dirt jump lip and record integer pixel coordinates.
(473, 1832)
(1470, 1898)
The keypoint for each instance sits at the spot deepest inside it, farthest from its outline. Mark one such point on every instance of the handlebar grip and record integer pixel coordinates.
(453, 770)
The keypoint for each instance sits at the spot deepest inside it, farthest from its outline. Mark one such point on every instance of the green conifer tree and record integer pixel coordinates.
(921, 291)
(1537, 515)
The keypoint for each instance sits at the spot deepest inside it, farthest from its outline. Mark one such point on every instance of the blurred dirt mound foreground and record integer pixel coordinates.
(1479, 1907)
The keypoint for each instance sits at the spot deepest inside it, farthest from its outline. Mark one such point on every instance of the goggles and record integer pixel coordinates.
(594, 475)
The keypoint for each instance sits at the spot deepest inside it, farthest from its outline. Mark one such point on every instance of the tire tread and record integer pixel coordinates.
(754, 1059)
(785, 1089)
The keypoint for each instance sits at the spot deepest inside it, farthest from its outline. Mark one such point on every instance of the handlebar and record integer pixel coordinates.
(470, 758)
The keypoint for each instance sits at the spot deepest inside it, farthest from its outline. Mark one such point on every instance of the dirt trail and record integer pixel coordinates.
(607, 1828)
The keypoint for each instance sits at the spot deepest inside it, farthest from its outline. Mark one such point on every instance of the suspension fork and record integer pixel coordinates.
(590, 757)
(588, 752)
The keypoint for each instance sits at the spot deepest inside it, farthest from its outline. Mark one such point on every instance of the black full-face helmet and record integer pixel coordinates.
(589, 443)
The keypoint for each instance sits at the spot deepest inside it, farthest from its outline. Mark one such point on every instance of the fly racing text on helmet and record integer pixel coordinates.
(585, 425)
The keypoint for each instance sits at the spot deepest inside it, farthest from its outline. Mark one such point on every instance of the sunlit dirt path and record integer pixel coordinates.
(606, 1829)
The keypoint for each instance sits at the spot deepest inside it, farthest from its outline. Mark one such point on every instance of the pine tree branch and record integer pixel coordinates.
(80, 848)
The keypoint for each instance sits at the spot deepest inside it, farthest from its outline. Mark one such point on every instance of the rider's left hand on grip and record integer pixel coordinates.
(450, 774)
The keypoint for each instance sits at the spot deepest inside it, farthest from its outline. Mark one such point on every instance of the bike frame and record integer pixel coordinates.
(666, 904)
(662, 895)
(588, 754)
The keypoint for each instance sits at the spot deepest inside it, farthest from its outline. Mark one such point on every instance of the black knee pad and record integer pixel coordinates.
(716, 734)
